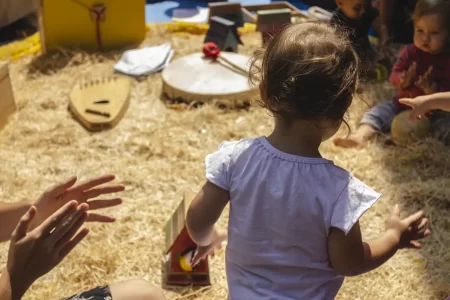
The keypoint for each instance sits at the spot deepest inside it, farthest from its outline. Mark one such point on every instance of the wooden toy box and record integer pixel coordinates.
(91, 24)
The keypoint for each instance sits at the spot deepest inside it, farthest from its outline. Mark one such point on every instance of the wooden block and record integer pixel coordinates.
(7, 103)
(223, 33)
(227, 10)
(274, 16)
(267, 19)
(179, 246)
(91, 24)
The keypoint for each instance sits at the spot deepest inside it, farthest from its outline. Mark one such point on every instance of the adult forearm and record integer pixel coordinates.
(5, 286)
(10, 214)
(439, 101)
(11, 289)
(386, 13)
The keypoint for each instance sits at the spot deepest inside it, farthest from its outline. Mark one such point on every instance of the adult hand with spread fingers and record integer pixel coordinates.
(44, 233)
(35, 252)
(58, 195)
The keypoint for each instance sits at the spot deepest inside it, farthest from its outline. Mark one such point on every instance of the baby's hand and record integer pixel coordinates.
(203, 251)
(426, 82)
(408, 78)
(409, 230)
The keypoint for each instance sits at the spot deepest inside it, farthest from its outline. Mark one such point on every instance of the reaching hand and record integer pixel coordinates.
(203, 251)
(408, 230)
(426, 82)
(34, 253)
(58, 195)
(408, 78)
(419, 106)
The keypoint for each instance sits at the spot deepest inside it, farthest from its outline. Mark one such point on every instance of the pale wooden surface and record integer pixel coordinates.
(13, 10)
(114, 89)
(7, 103)
(195, 78)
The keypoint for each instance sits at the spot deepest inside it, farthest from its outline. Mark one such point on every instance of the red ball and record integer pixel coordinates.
(211, 50)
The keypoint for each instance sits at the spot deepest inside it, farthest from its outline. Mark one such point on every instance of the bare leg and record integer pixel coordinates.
(137, 290)
(358, 139)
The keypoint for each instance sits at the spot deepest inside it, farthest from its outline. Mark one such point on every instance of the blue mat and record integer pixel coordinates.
(162, 11)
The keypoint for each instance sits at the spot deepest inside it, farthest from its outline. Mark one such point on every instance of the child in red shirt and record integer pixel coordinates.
(422, 69)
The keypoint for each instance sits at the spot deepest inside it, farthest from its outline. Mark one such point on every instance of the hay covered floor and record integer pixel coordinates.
(158, 154)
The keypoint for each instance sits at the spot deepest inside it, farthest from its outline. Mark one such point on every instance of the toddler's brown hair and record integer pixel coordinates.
(308, 71)
(427, 7)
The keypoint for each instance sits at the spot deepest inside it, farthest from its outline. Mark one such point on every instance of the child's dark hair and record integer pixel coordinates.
(308, 71)
(426, 7)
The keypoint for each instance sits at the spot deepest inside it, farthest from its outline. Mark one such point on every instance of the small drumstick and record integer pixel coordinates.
(211, 50)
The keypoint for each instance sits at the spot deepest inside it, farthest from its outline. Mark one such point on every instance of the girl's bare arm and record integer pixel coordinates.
(204, 212)
(350, 256)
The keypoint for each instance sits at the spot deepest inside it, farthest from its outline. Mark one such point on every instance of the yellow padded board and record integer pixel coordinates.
(68, 23)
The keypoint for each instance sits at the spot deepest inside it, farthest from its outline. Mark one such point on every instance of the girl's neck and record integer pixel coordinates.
(298, 137)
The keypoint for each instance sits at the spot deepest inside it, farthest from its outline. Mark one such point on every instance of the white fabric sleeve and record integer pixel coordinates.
(217, 165)
(354, 201)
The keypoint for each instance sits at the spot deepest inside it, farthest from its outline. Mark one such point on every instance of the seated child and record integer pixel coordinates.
(293, 230)
(356, 17)
(422, 69)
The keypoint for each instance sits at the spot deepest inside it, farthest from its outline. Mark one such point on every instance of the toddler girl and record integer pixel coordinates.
(421, 69)
(293, 230)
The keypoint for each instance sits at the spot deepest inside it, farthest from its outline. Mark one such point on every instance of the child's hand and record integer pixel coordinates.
(419, 106)
(409, 230)
(408, 77)
(426, 82)
(34, 253)
(203, 251)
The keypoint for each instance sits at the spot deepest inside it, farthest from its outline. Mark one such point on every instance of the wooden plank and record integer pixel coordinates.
(175, 225)
(250, 11)
(187, 199)
(40, 16)
(276, 5)
(7, 103)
